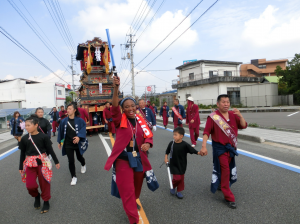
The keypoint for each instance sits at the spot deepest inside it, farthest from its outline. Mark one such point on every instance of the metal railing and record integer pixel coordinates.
(207, 75)
(253, 101)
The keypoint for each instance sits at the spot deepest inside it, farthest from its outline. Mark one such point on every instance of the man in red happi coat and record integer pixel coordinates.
(193, 120)
(223, 127)
(107, 116)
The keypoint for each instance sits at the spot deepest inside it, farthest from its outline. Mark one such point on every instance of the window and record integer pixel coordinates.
(213, 73)
(191, 76)
(187, 95)
(234, 95)
(59, 92)
(227, 73)
(262, 66)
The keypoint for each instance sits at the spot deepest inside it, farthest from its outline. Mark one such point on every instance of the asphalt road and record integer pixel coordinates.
(270, 119)
(264, 193)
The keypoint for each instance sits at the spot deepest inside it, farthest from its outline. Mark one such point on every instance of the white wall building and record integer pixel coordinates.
(22, 93)
(204, 80)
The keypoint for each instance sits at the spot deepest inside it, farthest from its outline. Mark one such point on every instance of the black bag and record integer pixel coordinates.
(19, 129)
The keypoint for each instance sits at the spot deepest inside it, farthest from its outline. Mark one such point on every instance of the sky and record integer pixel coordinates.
(230, 31)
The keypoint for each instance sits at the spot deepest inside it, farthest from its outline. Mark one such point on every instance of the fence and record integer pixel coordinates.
(206, 75)
(254, 101)
(7, 114)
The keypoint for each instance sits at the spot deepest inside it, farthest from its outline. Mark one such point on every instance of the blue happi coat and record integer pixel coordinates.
(80, 128)
(149, 115)
(14, 129)
(96, 119)
(51, 113)
(181, 112)
(219, 149)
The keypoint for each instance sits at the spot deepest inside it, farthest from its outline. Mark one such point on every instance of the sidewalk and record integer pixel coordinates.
(260, 135)
(5, 136)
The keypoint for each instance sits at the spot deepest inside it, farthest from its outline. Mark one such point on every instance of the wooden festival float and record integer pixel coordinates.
(97, 78)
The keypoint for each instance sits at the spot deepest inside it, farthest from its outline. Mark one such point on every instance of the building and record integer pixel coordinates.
(168, 96)
(204, 80)
(263, 95)
(23, 93)
(262, 67)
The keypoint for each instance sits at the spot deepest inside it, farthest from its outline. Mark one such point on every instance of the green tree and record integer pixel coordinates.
(154, 100)
(290, 81)
(68, 99)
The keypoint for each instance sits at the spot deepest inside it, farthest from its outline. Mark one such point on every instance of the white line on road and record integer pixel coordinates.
(7, 153)
(293, 114)
(269, 160)
(106, 146)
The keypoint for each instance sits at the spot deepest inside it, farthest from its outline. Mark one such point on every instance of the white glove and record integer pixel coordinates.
(154, 128)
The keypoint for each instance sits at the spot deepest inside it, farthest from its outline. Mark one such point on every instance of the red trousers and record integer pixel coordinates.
(178, 181)
(165, 120)
(177, 125)
(31, 174)
(194, 134)
(225, 160)
(129, 185)
(111, 127)
(54, 126)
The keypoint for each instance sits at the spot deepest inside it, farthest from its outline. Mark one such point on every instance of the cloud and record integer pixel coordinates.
(118, 17)
(9, 77)
(53, 78)
(271, 29)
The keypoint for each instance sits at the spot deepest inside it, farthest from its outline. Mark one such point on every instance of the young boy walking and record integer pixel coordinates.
(178, 150)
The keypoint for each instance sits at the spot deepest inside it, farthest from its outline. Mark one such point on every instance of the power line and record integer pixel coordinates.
(150, 20)
(146, 16)
(57, 26)
(140, 16)
(17, 43)
(65, 23)
(33, 29)
(170, 32)
(178, 37)
(60, 19)
(43, 32)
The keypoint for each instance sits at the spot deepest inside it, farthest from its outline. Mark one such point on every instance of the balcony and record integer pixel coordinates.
(209, 78)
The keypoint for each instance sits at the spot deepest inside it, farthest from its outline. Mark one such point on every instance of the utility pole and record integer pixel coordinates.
(132, 63)
(73, 86)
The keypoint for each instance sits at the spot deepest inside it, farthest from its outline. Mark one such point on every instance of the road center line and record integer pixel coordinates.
(265, 159)
(292, 114)
(9, 152)
(142, 215)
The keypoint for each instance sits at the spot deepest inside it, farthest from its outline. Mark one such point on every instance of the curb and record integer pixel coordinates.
(251, 138)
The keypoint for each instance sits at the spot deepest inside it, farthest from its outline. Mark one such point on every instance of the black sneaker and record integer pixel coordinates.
(231, 204)
(37, 202)
(46, 207)
(138, 206)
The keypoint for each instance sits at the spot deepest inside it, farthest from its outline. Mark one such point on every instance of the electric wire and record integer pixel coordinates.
(17, 43)
(176, 38)
(33, 29)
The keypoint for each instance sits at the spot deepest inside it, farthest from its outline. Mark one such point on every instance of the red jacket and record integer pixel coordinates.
(107, 113)
(193, 114)
(217, 135)
(63, 114)
(83, 114)
(123, 137)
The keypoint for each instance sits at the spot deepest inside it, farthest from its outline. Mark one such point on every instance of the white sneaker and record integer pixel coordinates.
(74, 181)
(193, 145)
(83, 169)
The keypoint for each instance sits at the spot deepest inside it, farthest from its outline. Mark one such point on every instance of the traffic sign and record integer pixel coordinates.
(149, 88)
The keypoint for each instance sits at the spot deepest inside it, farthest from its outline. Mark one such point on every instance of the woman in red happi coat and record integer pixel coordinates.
(132, 143)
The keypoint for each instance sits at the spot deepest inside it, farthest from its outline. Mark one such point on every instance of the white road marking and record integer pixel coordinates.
(106, 146)
(275, 162)
(106, 138)
(3, 155)
(292, 114)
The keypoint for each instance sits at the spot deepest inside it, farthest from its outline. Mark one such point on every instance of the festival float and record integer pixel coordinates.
(97, 78)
